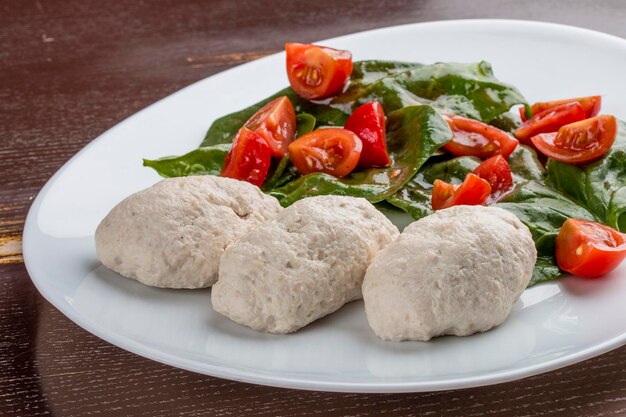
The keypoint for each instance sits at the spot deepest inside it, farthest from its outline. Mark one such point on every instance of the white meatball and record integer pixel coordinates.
(173, 234)
(303, 265)
(456, 272)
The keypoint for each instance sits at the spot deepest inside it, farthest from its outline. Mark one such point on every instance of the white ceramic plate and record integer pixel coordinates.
(551, 326)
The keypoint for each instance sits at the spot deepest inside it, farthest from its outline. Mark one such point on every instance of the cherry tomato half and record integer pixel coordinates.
(549, 120)
(316, 72)
(580, 142)
(589, 249)
(474, 138)
(591, 104)
(473, 192)
(497, 173)
(368, 122)
(333, 151)
(276, 123)
(248, 159)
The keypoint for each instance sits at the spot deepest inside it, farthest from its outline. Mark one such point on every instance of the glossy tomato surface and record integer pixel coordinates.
(276, 123)
(473, 191)
(249, 158)
(589, 249)
(474, 138)
(581, 142)
(522, 113)
(333, 151)
(317, 72)
(550, 120)
(368, 122)
(591, 105)
(497, 173)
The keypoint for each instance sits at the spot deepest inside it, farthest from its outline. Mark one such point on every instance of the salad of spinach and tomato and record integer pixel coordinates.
(419, 138)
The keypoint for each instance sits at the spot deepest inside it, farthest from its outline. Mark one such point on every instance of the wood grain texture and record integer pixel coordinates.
(11, 249)
(69, 70)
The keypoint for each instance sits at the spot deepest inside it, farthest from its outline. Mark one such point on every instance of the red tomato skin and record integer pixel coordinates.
(442, 192)
(474, 138)
(368, 122)
(316, 72)
(522, 113)
(549, 120)
(588, 249)
(474, 191)
(333, 151)
(249, 158)
(590, 104)
(276, 123)
(596, 134)
(497, 173)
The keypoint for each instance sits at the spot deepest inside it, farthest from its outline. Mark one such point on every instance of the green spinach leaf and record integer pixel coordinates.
(369, 71)
(305, 123)
(543, 210)
(283, 173)
(202, 161)
(469, 90)
(546, 270)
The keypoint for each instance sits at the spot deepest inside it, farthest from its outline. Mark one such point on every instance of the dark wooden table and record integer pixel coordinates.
(71, 69)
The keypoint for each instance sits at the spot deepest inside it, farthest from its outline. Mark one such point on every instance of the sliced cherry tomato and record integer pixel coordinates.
(333, 151)
(589, 249)
(591, 104)
(248, 159)
(522, 113)
(549, 120)
(474, 138)
(368, 122)
(497, 173)
(473, 192)
(580, 142)
(316, 72)
(276, 123)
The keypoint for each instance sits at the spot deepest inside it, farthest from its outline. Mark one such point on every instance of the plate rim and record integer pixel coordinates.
(243, 375)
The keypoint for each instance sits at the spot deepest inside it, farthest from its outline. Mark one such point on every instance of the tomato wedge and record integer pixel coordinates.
(549, 120)
(591, 105)
(497, 173)
(589, 249)
(580, 142)
(522, 113)
(473, 192)
(248, 159)
(276, 123)
(316, 72)
(334, 151)
(368, 122)
(474, 138)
